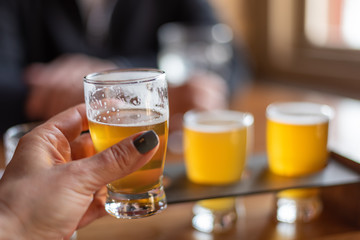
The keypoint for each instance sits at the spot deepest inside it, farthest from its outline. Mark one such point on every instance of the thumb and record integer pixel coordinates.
(117, 161)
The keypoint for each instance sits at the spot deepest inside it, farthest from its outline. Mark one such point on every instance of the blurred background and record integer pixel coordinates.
(305, 43)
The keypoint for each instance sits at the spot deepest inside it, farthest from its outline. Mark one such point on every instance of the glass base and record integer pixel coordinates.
(211, 218)
(131, 206)
(303, 209)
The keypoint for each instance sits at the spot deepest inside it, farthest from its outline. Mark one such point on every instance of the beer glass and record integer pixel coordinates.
(120, 103)
(297, 136)
(216, 146)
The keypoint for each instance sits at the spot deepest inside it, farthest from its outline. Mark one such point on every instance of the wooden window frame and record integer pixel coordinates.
(284, 55)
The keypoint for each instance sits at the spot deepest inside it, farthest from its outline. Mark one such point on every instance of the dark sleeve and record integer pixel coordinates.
(12, 89)
(193, 12)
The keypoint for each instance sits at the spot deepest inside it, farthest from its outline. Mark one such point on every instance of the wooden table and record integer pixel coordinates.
(257, 219)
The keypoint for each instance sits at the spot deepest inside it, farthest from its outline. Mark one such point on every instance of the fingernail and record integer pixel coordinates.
(146, 141)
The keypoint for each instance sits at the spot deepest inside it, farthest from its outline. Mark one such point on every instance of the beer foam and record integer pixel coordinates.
(299, 113)
(217, 120)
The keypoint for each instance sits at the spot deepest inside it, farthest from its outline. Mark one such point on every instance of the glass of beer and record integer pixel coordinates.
(216, 146)
(297, 136)
(120, 103)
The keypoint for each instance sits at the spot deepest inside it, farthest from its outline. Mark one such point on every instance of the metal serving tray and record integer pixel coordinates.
(256, 179)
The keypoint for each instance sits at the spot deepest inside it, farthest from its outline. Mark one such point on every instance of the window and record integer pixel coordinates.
(314, 43)
(333, 23)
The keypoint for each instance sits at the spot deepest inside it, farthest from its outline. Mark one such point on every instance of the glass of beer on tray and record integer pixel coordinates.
(121, 103)
(297, 137)
(216, 147)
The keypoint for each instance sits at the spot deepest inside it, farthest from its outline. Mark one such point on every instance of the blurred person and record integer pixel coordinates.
(51, 188)
(46, 47)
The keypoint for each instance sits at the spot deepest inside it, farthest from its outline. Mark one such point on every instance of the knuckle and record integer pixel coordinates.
(76, 175)
(121, 156)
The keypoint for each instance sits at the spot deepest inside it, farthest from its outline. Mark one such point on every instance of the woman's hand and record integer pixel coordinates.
(54, 184)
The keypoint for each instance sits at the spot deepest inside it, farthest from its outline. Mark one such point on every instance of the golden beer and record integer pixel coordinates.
(215, 148)
(218, 204)
(299, 193)
(120, 103)
(297, 143)
(112, 127)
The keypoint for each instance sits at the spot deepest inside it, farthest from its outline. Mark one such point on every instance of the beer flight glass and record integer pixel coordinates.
(216, 147)
(297, 137)
(120, 103)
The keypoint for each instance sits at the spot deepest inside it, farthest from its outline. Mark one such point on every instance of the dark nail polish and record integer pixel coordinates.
(146, 141)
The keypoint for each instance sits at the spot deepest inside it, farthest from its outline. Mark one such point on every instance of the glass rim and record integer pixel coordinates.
(95, 77)
(300, 112)
(241, 119)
